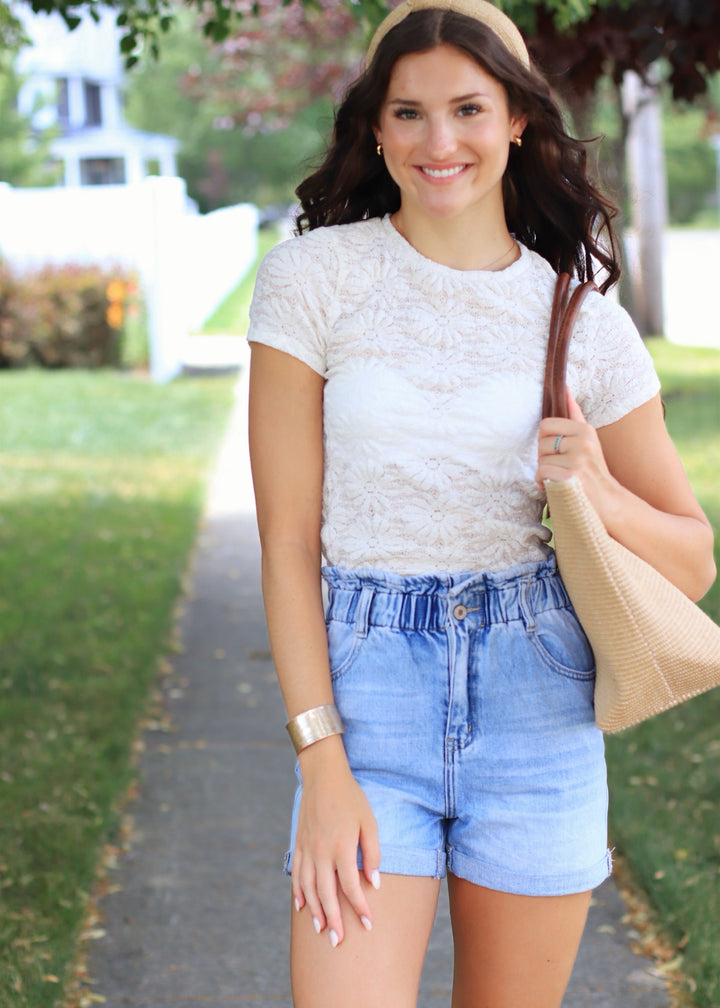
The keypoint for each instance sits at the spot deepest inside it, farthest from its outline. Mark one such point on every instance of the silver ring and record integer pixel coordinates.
(556, 447)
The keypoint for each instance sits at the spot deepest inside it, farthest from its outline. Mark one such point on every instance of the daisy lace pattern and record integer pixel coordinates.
(433, 389)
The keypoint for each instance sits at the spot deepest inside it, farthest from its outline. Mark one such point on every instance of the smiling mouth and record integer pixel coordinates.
(443, 172)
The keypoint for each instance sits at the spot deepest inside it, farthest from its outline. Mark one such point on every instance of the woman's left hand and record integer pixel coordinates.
(572, 448)
(633, 477)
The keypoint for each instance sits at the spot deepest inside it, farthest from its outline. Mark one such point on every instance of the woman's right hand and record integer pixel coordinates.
(335, 819)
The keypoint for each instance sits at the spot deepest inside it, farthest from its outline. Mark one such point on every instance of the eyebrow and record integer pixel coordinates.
(453, 101)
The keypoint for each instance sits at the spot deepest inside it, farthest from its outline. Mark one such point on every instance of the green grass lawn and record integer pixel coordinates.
(102, 485)
(665, 774)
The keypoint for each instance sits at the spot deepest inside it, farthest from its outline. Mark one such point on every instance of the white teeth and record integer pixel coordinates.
(443, 172)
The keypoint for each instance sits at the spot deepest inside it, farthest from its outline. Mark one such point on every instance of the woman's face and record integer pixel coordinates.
(446, 131)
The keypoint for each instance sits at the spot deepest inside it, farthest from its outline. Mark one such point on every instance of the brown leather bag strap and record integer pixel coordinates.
(559, 305)
(562, 321)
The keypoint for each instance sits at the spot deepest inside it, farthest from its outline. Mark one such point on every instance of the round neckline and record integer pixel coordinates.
(485, 274)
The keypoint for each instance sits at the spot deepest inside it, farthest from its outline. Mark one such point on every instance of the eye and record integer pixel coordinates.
(405, 112)
(469, 109)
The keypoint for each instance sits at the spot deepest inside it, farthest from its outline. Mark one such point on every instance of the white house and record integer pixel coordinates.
(110, 207)
(73, 81)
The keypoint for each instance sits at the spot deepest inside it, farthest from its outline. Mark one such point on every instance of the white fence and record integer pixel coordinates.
(691, 267)
(186, 262)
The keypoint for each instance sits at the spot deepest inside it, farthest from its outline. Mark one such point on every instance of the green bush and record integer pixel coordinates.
(14, 352)
(64, 316)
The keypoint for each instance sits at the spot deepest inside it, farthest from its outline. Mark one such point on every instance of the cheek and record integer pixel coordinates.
(396, 169)
(396, 149)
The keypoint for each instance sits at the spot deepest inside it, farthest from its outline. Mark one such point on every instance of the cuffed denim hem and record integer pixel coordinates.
(499, 878)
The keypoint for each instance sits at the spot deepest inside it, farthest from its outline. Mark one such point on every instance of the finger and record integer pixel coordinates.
(328, 894)
(349, 878)
(574, 411)
(553, 445)
(370, 849)
(553, 466)
(550, 427)
(308, 885)
(297, 892)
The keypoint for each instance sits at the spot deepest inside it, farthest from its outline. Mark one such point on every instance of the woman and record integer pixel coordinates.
(441, 705)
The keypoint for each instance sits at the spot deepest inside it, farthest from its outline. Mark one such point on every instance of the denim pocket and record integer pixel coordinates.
(343, 646)
(560, 639)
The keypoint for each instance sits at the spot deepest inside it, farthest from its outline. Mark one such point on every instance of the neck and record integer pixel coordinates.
(457, 242)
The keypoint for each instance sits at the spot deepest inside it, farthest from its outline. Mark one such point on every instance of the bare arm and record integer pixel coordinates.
(633, 476)
(287, 464)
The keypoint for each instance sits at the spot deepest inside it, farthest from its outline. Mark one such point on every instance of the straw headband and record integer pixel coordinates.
(480, 10)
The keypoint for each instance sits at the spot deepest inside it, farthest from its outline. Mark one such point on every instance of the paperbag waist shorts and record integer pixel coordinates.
(468, 707)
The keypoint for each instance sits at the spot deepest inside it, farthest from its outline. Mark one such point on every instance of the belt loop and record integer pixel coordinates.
(525, 607)
(362, 613)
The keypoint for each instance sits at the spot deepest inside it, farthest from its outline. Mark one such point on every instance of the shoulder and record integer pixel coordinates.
(612, 367)
(601, 317)
(610, 370)
(604, 321)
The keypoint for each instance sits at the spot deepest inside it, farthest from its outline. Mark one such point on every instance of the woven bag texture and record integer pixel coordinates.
(653, 647)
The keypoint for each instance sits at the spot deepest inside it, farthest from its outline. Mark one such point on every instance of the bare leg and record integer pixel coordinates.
(376, 969)
(513, 951)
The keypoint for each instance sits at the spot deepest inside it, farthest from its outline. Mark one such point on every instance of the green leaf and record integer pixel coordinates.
(128, 42)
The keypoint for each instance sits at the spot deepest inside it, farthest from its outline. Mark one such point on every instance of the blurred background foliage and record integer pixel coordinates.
(233, 151)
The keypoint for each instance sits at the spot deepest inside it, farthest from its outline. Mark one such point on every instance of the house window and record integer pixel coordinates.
(93, 109)
(102, 171)
(63, 102)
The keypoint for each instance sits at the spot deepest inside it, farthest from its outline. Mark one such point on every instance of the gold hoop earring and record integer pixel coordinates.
(379, 150)
(517, 141)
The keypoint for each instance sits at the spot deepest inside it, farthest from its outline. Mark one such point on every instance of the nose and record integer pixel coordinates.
(441, 139)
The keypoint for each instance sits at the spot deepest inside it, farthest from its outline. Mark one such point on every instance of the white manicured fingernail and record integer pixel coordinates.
(375, 879)
(317, 925)
(334, 939)
(366, 923)
(297, 904)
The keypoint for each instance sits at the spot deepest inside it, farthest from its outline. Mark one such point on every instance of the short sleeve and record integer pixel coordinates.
(610, 370)
(290, 304)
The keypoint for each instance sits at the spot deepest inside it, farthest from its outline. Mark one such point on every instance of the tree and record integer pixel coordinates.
(629, 34)
(229, 153)
(282, 58)
(24, 152)
(629, 43)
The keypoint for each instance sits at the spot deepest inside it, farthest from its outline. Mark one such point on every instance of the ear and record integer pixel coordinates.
(377, 134)
(518, 124)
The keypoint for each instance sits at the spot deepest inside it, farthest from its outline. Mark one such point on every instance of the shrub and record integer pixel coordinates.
(63, 316)
(14, 351)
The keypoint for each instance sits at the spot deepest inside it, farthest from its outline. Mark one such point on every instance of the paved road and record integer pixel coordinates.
(197, 914)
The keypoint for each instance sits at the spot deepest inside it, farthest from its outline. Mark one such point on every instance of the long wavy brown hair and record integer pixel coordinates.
(551, 205)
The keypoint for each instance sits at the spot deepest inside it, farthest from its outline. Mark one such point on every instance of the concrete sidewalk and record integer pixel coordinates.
(198, 908)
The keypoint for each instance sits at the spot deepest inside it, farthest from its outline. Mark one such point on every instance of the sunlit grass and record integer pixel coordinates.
(665, 774)
(103, 481)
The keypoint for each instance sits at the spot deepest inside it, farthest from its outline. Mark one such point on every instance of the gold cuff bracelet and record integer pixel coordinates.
(313, 725)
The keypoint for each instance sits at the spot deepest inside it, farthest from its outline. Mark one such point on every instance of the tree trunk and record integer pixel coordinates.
(648, 199)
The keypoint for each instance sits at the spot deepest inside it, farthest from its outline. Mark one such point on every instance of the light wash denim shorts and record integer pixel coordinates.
(468, 707)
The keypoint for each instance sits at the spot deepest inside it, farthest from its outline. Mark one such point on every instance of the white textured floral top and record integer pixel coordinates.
(433, 393)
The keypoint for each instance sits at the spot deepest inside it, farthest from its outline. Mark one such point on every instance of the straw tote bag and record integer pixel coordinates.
(653, 647)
